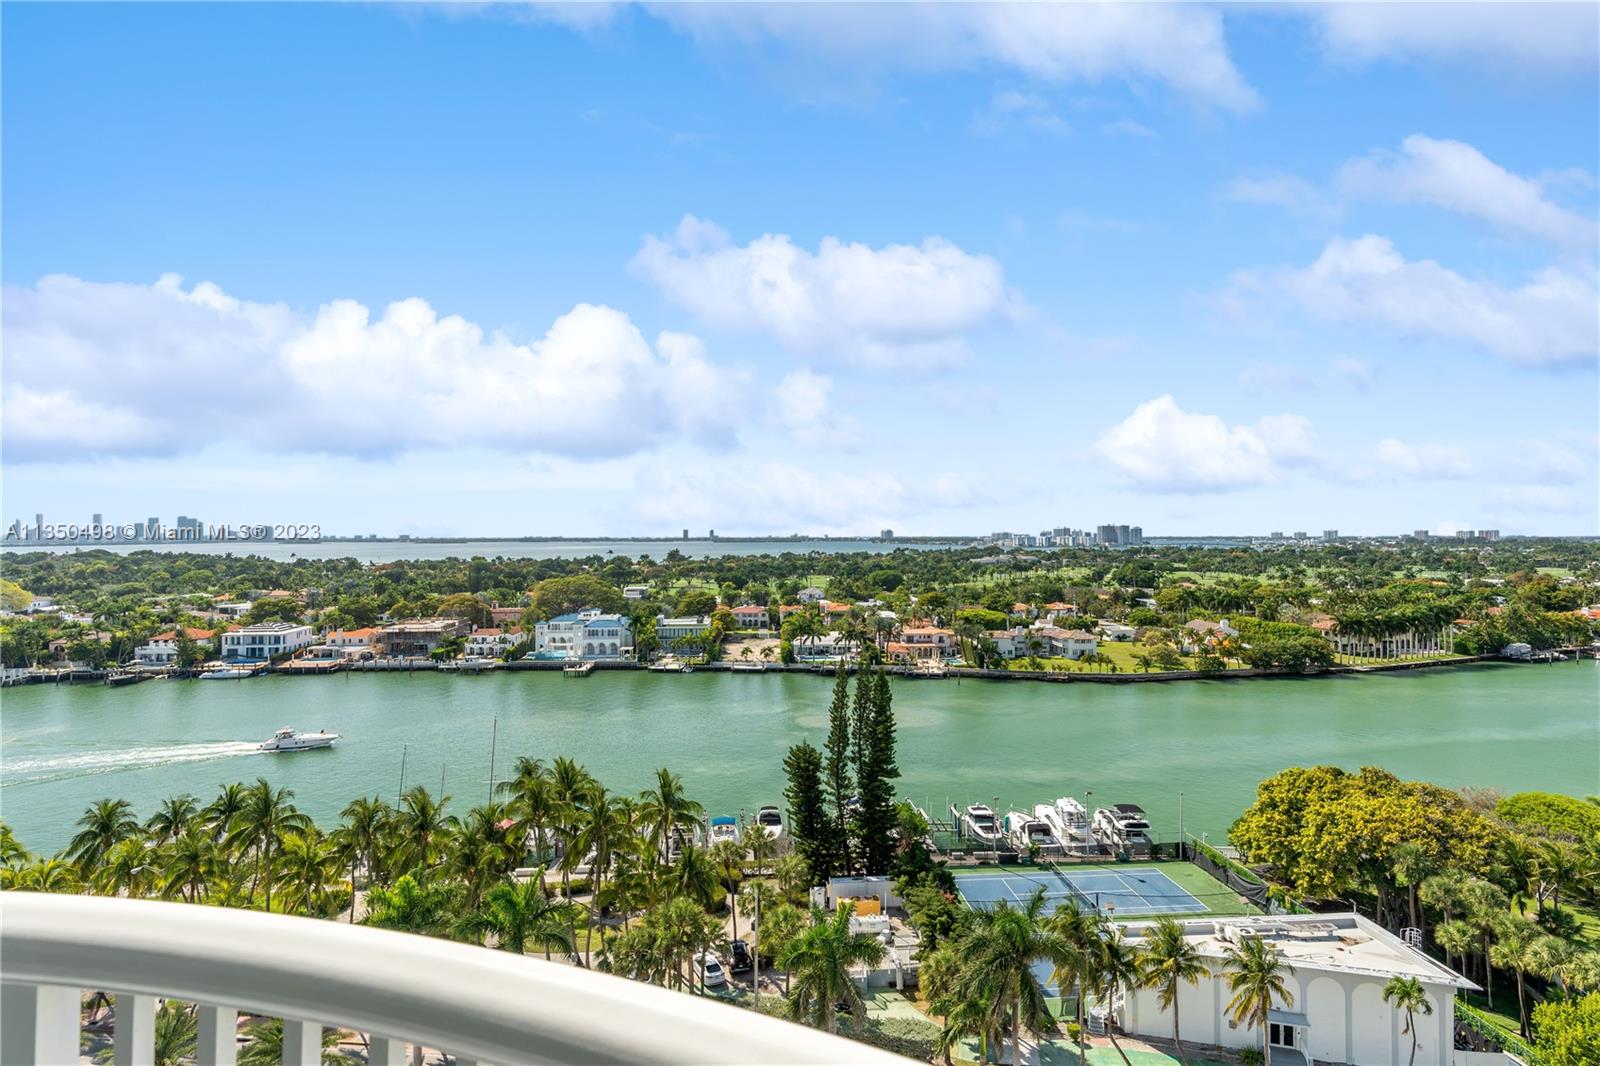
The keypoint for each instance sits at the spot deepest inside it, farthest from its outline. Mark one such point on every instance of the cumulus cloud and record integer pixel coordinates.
(1548, 321)
(93, 367)
(1457, 177)
(1536, 37)
(1163, 448)
(1179, 46)
(1425, 461)
(893, 305)
(805, 409)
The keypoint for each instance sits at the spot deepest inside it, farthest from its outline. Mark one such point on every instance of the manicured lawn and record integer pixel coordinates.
(1119, 652)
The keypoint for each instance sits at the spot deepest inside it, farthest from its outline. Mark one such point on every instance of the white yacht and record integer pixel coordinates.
(1123, 827)
(979, 821)
(226, 673)
(770, 819)
(723, 828)
(1026, 831)
(1069, 820)
(287, 739)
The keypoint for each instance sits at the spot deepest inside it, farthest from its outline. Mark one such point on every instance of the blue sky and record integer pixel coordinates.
(615, 269)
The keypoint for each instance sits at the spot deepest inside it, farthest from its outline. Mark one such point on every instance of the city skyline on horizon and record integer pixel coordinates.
(634, 269)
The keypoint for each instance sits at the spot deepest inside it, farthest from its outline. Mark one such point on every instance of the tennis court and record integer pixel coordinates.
(1115, 891)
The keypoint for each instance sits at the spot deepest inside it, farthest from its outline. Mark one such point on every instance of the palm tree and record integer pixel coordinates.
(309, 862)
(126, 868)
(531, 796)
(172, 818)
(694, 876)
(665, 808)
(1116, 968)
(819, 961)
(727, 858)
(1513, 939)
(409, 906)
(1456, 938)
(187, 862)
(1082, 932)
(420, 825)
(44, 875)
(607, 826)
(359, 838)
(1406, 994)
(102, 826)
(265, 1046)
(177, 1035)
(1411, 866)
(1256, 979)
(1000, 952)
(519, 915)
(1165, 958)
(260, 825)
(220, 812)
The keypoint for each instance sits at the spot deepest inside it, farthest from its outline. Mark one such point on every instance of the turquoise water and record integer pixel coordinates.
(1506, 726)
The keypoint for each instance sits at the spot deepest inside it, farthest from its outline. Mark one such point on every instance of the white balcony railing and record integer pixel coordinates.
(481, 1006)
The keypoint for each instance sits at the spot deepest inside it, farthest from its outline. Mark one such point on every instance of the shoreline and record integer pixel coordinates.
(826, 670)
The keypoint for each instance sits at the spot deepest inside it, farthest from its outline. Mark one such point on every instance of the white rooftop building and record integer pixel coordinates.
(1338, 1015)
(265, 640)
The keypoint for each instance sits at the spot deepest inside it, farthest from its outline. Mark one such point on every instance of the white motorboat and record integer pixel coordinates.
(1069, 820)
(477, 664)
(770, 819)
(226, 673)
(979, 821)
(748, 666)
(1123, 827)
(723, 828)
(1027, 832)
(287, 739)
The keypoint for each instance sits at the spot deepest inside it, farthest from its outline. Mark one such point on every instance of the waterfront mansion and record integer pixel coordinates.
(588, 634)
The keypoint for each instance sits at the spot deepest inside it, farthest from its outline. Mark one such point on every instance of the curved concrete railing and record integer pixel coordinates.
(480, 1005)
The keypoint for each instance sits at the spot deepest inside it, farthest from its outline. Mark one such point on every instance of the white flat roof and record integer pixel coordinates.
(1343, 943)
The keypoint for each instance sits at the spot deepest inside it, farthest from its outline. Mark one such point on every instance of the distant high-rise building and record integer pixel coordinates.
(1489, 534)
(1106, 535)
(1330, 534)
(98, 519)
(1299, 534)
(713, 534)
(1421, 534)
(1122, 535)
(1135, 534)
(1276, 534)
(686, 534)
(38, 525)
(886, 534)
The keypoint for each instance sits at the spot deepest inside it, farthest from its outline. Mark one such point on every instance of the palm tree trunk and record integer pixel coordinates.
(1016, 1033)
(1522, 1008)
(1083, 1038)
(1411, 1024)
(1176, 1041)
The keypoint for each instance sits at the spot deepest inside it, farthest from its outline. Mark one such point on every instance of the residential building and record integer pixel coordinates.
(1199, 631)
(264, 640)
(1387, 645)
(829, 647)
(491, 642)
(1116, 631)
(918, 643)
(1053, 611)
(635, 592)
(809, 594)
(418, 638)
(1066, 643)
(669, 630)
(506, 616)
(588, 634)
(163, 647)
(1340, 963)
(231, 610)
(358, 639)
(751, 616)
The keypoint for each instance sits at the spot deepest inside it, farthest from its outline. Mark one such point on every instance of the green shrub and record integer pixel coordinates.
(1550, 814)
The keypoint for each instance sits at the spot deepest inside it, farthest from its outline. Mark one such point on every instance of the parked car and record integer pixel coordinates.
(741, 961)
(708, 968)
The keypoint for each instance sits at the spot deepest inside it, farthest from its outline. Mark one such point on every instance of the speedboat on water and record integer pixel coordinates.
(288, 740)
(724, 828)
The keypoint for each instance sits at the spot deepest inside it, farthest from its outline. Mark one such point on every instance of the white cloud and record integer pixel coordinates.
(1180, 46)
(1535, 37)
(1550, 320)
(1129, 128)
(804, 406)
(1293, 194)
(1425, 461)
(1163, 448)
(93, 368)
(1010, 107)
(892, 305)
(1357, 373)
(1457, 177)
(1270, 378)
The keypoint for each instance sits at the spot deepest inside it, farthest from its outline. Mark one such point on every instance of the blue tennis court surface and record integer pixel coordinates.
(1126, 892)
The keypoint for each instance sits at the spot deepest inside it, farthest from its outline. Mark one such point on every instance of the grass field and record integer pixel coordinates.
(1119, 652)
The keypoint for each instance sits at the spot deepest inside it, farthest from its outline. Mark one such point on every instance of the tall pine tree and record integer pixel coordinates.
(809, 823)
(838, 778)
(878, 818)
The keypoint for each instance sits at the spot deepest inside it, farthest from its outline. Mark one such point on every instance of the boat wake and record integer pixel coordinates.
(44, 768)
